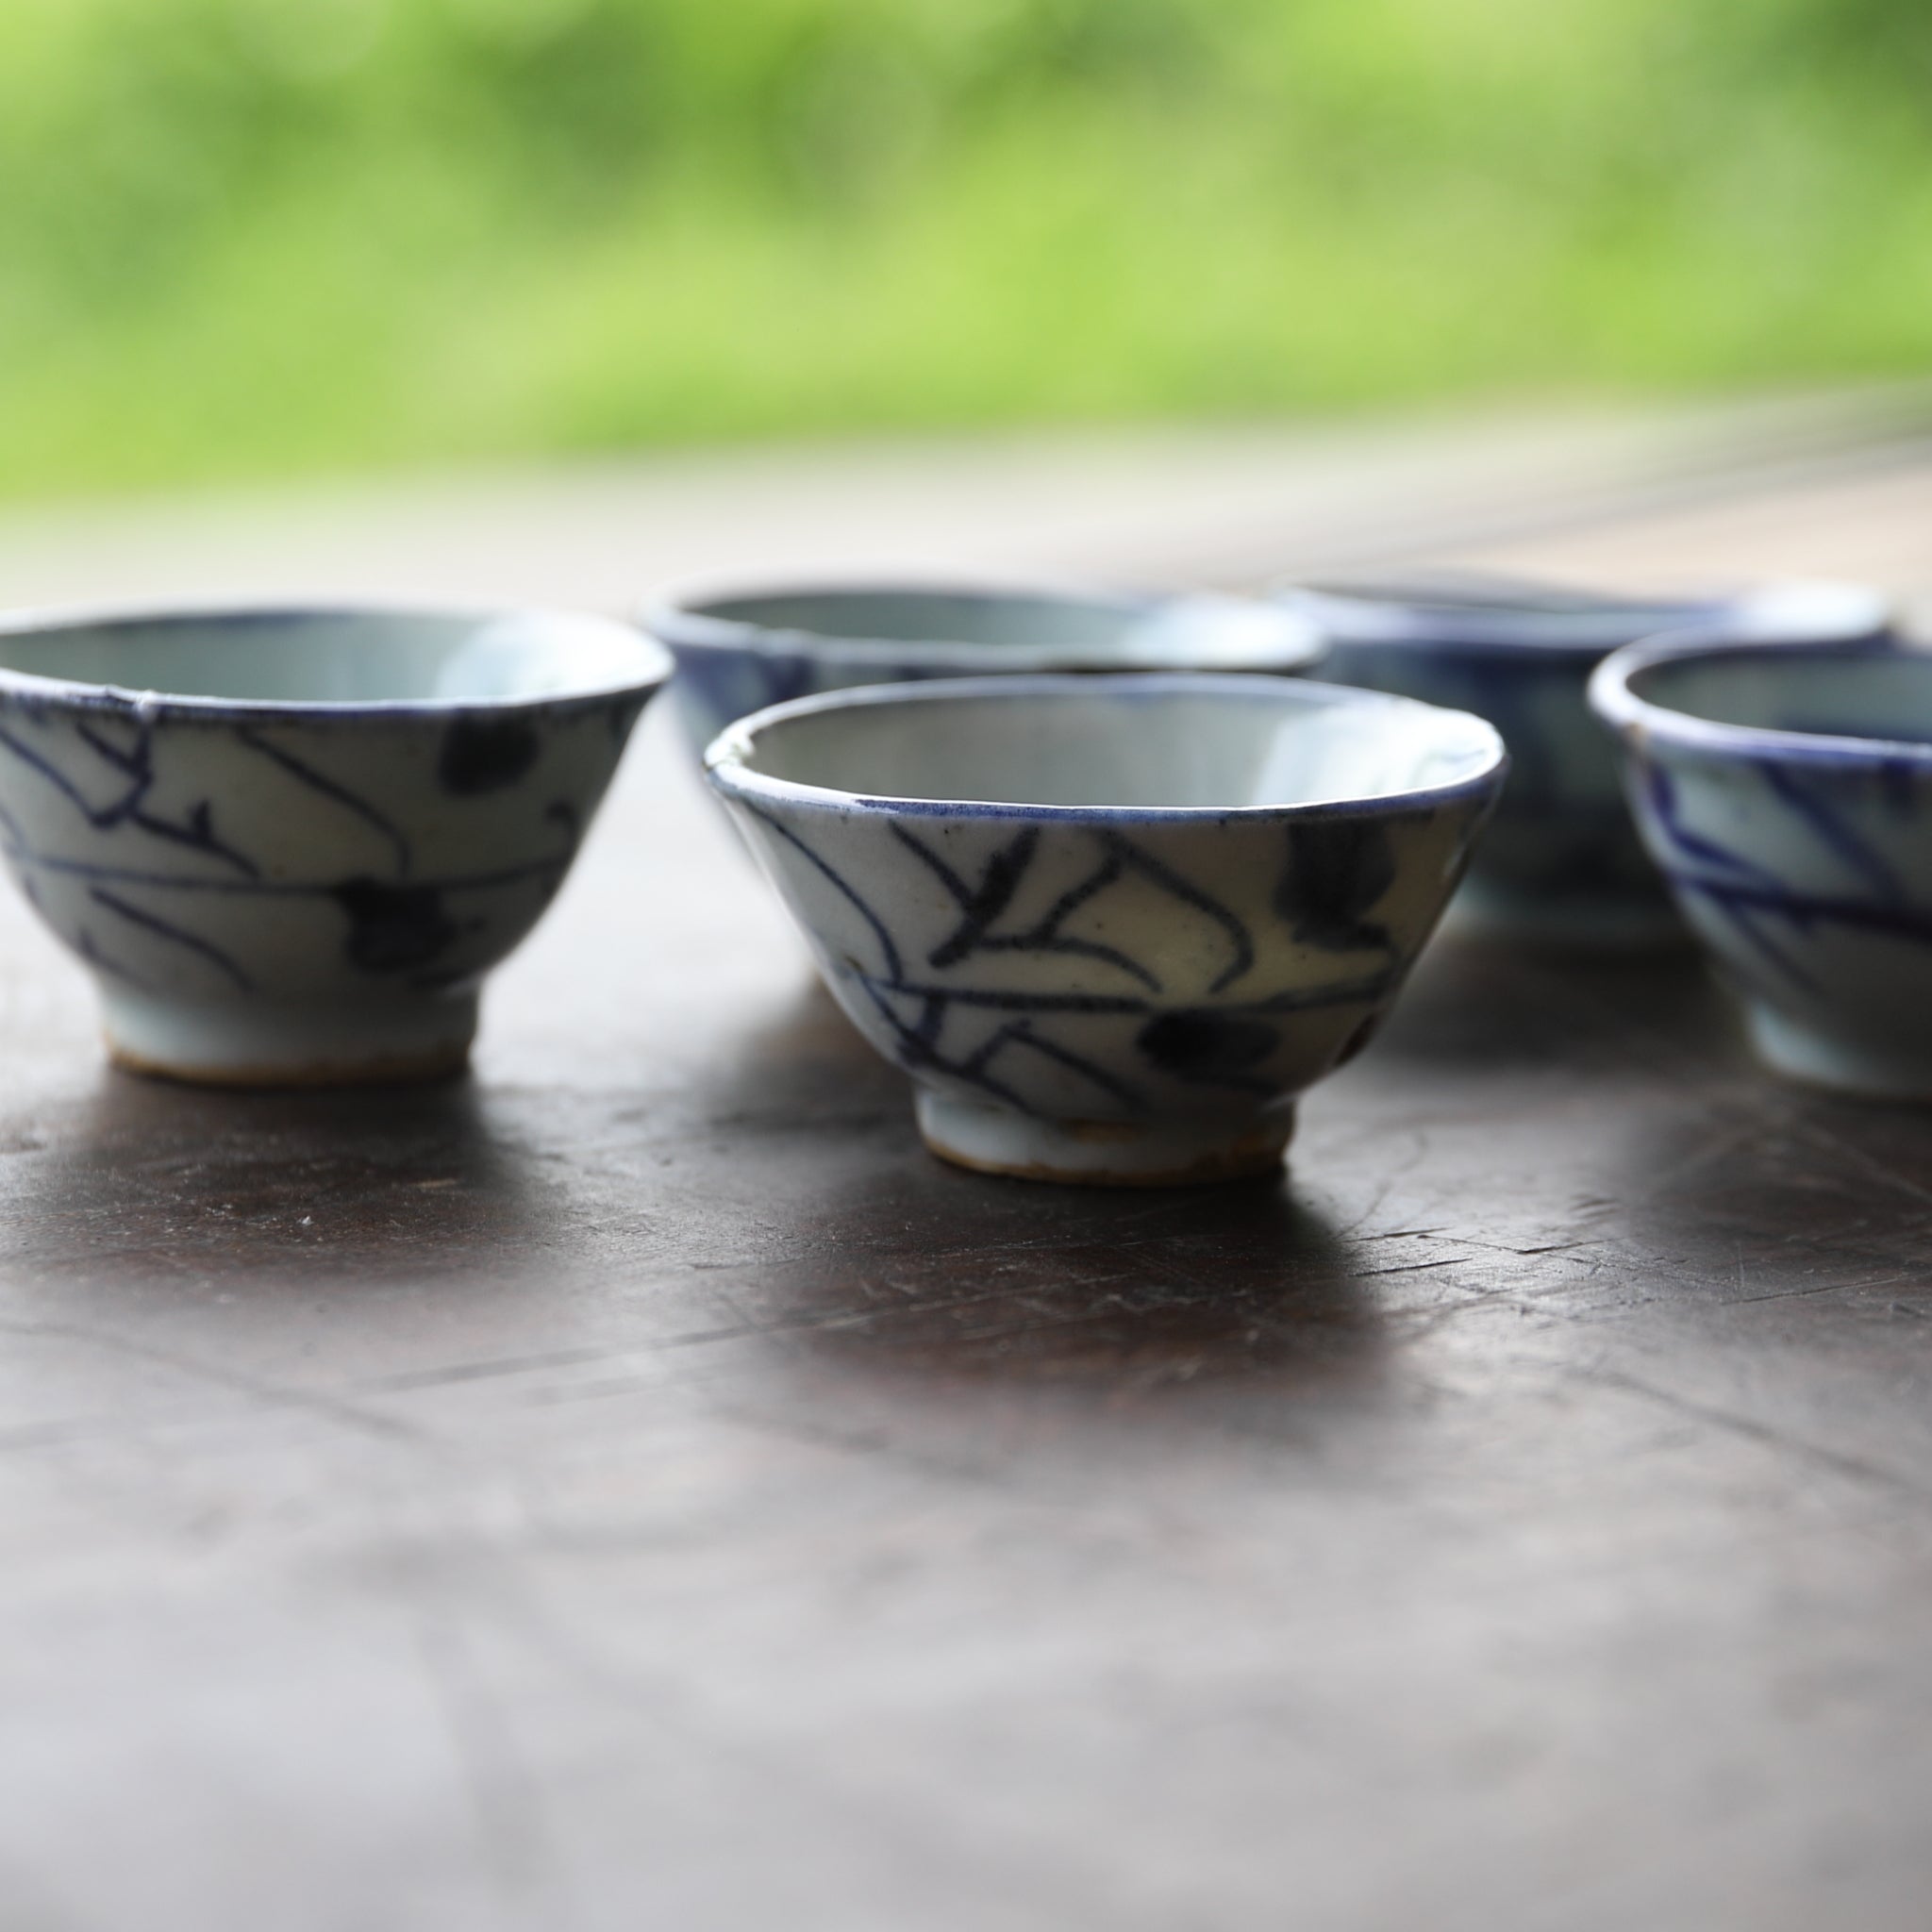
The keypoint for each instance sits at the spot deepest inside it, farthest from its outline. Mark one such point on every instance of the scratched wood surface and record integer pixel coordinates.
(637, 1488)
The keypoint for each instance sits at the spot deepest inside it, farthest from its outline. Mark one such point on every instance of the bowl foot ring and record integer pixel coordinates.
(1104, 1154)
(263, 1044)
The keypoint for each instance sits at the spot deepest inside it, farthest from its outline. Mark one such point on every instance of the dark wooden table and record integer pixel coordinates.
(637, 1487)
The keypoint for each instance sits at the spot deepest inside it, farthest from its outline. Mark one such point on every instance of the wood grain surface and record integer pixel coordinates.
(635, 1487)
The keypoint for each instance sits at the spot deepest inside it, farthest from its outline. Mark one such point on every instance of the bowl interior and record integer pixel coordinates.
(1881, 696)
(1127, 744)
(1473, 608)
(1050, 630)
(933, 617)
(337, 656)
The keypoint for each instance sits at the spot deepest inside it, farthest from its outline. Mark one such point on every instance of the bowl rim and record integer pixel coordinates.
(728, 774)
(1640, 720)
(1352, 614)
(672, 615)
(654, 663)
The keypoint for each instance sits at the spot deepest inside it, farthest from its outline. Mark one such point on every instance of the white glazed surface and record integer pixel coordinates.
(1113, 926)
(1785, 794)
(743, 649)
(288, 844)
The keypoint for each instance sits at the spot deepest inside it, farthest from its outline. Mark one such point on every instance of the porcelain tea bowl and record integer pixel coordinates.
(742, 648)
(1113, 926)
(1561, 866)
(289, 843)
(1785, 792)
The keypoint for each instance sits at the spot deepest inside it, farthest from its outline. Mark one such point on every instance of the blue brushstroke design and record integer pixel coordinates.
(548, 869)
(135, 764)
(1661, 795)
(888, 950)
(918, 1048)
(1348, 992)
(1842, 838)
(982, 904)
(84, 944)
(1191, 895)
(1806, 911)
(1217, 1046)
(1020, 1033)
(179, 935)
(326, 787)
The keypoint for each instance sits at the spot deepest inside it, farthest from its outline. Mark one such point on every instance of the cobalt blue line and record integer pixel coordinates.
(167, 931)
(1079, 949)
(961, 894)
(198, 835)
(135, 763)
(1803, 910)
(1019, 1033)
(1746, 922)
(1002, 875)
(921, 1050)
(982, 904)
(49, 771)
(888, 950)
(1074, 897)
(1350, 992)
(84, 942)
(1188, 894)
(1663, 803)
(1045, 937)
(1014, 1002)
(918, 1050)
(128, 876)
(89, 951)
(1833, 830)
(328, 788)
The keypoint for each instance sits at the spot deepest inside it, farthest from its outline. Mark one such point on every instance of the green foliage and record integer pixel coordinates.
(242, 236)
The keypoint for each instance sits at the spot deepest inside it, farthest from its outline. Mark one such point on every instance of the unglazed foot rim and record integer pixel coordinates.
(394, 1070)
(1798, 1052)
(260, 1043)
(1102, 1153)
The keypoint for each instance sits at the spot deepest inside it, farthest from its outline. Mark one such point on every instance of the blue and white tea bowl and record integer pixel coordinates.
(1113, 926)
(742, 649)
(1785, 794)
(289, 843)
(1563, 863)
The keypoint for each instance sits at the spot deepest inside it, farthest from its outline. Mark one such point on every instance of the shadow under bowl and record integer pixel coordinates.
(289, 843)
(1113, 926)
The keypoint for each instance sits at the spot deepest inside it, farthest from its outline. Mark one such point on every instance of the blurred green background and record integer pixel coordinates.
(250, 236)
